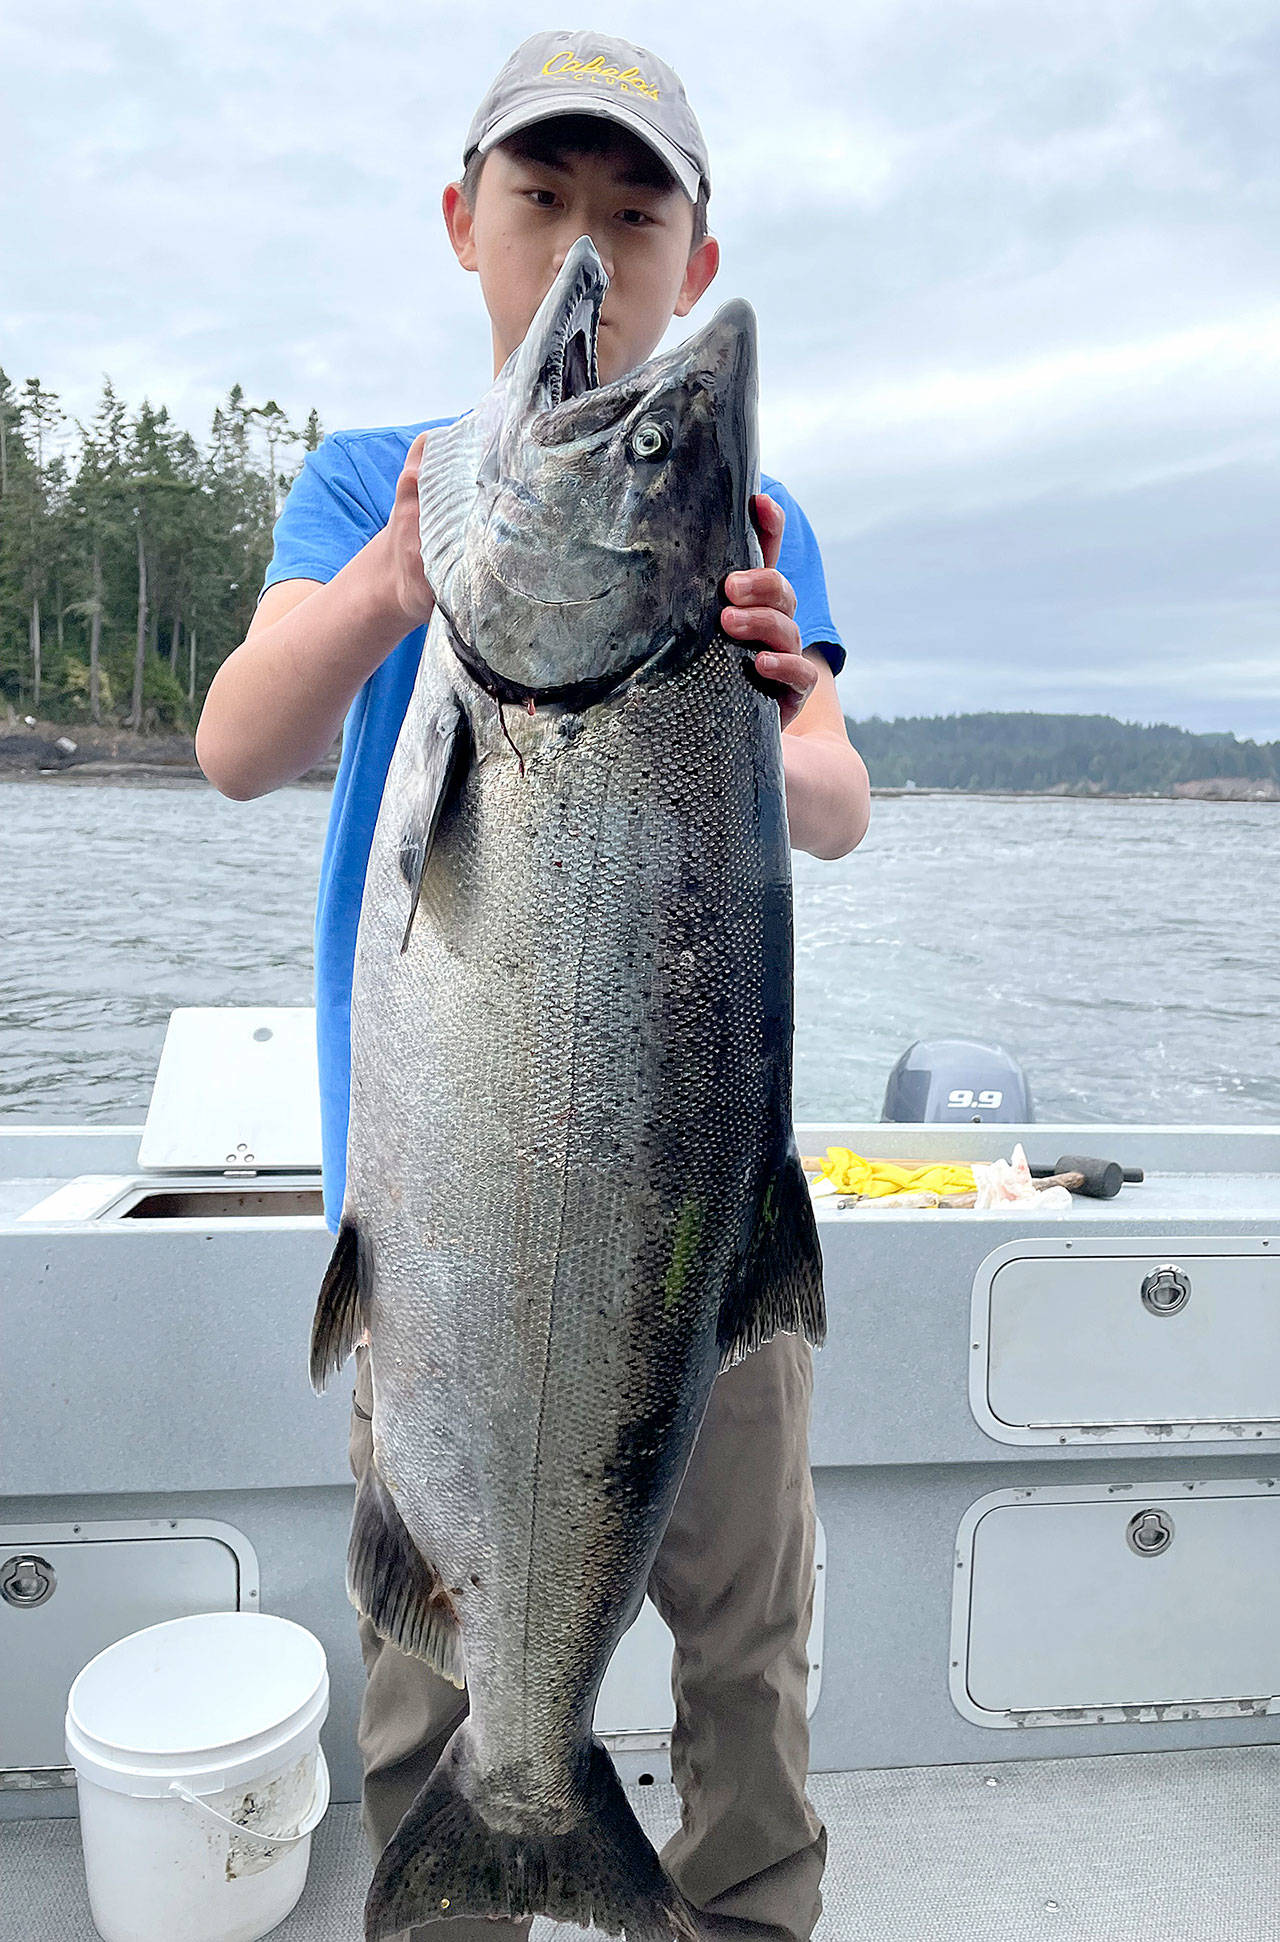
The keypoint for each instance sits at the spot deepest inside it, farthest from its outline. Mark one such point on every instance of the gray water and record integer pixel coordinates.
(1127, 953)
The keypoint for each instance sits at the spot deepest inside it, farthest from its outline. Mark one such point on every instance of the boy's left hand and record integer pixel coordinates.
(764, 610)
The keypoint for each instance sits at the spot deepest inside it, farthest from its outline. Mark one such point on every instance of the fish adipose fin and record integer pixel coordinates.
(445, 1861)
(446, 756)
(390, 1581)
(778, 1286)
(339, 1319)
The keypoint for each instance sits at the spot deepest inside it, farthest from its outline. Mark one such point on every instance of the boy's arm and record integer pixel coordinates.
(277, 702)
(828, 792)
(828, 789)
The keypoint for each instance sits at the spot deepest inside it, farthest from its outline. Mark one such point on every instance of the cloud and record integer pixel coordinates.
(1018, 325)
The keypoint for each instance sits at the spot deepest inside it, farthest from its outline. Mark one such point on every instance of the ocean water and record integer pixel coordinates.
(1127, 953)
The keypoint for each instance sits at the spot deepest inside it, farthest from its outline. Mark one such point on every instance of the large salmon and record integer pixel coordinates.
(573, 1193)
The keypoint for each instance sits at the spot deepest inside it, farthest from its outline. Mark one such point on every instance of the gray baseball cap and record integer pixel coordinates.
(584, 73)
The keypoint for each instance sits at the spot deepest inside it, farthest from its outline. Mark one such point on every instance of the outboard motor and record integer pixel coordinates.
(957, 1081)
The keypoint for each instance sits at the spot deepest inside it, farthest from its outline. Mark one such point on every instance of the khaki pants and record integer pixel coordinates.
(734, 1581)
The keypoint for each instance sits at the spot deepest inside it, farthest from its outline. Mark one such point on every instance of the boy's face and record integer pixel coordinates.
(528, 214)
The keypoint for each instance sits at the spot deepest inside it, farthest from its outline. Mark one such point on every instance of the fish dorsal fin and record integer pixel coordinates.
(778, 1285)
(449, 476)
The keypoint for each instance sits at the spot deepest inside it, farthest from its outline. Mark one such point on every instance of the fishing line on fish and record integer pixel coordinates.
(502, 723)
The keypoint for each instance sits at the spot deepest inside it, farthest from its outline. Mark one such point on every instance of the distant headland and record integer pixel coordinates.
(1062, 755)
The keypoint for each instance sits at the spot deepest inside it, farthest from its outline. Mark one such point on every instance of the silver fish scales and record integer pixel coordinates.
(573, 1193)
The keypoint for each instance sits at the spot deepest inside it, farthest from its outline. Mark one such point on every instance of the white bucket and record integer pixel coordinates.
(196, 1746)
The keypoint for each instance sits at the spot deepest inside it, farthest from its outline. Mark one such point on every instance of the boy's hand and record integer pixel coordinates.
(409, 586)
(764, 610)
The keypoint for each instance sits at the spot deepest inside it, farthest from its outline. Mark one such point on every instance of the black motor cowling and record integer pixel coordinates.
(957, 1081)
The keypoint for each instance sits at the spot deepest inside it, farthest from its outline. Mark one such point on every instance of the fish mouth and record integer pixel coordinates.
(557, 360)
(573, 369)
(555, 366)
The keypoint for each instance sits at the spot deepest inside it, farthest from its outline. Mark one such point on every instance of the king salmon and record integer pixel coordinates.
(573, 1192)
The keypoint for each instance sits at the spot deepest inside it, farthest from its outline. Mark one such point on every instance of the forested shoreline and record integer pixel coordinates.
(131, 555)
(1038, 754)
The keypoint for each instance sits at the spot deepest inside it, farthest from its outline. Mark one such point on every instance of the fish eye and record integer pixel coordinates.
(650, 441)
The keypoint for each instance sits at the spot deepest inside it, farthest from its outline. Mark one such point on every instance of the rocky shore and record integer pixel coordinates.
(1215, 788)
(80, 752)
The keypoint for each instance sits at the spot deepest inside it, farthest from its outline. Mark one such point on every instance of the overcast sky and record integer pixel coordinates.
(1015, 263)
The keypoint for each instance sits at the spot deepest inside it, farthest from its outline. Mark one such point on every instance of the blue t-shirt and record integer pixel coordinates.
(340, 499)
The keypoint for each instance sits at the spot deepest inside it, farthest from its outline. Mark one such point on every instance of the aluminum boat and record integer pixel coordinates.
(1045, 1666)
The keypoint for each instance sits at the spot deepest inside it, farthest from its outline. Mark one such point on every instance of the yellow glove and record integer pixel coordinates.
(849, 1173)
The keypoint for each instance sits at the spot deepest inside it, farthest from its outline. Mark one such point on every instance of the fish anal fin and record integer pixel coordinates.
(340, 1308)
(445, 755)
(778, 1284)
(390, 1581)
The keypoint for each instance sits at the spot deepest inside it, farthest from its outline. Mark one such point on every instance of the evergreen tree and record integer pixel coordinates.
(159, 492)
(9, 425)
(38, 509)
(130, 568)
(277, 432)
(99, 499)
(16, 485)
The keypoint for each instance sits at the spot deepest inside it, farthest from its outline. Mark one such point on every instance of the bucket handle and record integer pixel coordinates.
(315, 1813)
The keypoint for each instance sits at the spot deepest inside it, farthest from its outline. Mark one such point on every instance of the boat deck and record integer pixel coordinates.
(1167, 1847)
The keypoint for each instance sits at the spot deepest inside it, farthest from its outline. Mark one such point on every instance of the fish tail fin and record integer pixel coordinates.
(446, 1860)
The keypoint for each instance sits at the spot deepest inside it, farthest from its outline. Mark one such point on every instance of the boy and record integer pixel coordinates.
(580, 134)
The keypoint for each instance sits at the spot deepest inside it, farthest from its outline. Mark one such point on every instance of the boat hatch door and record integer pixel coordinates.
(236, 1092)
(1128, 1339)
(67, 1591)
(1118, 1602)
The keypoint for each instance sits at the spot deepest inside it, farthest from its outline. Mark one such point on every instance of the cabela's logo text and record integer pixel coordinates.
(629, 79)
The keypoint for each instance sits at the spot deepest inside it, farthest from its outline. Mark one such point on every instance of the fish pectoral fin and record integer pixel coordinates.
(392, 1584)
(340, 1309)
(778, 1286)
(446, 757)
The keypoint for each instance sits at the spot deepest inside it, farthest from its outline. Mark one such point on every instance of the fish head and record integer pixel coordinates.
(603, 518)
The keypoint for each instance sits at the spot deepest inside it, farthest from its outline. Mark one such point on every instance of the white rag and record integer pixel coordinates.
(1008, 1183)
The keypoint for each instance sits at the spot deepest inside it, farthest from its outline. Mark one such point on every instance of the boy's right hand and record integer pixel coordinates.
(277, 702)
(409, 586)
